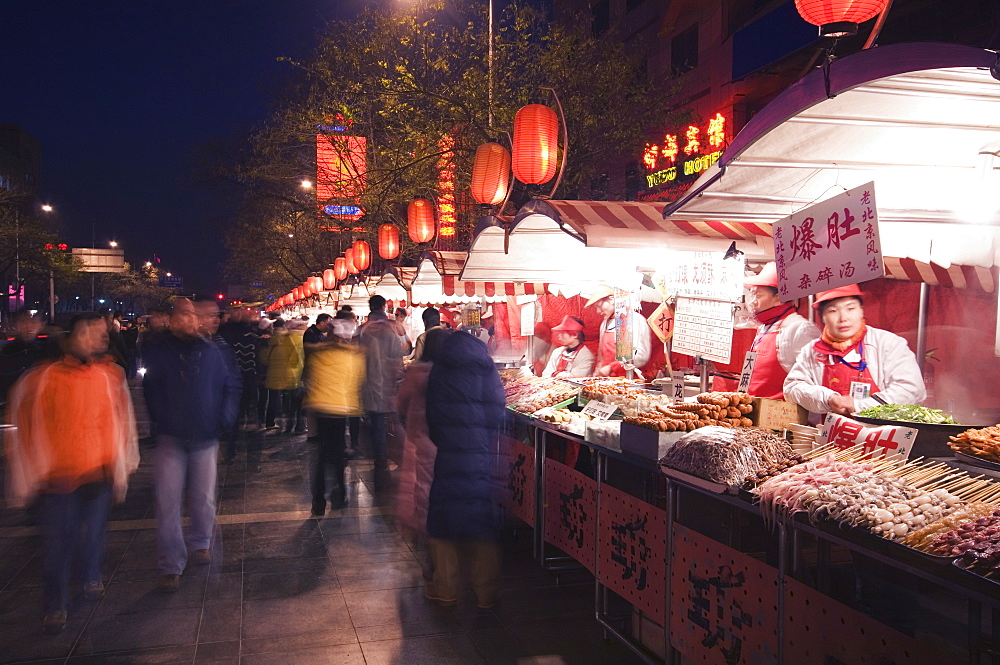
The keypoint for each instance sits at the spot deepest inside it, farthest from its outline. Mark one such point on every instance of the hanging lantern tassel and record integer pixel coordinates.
(420, 220)
(388, 241)
(839, 18)
(491, 174)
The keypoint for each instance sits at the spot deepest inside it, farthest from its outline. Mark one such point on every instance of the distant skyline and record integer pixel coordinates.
(122, 96)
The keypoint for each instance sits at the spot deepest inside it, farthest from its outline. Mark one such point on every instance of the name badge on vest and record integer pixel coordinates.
(860, 390)
(747, 372)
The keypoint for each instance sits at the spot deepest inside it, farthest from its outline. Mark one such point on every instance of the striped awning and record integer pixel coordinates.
(452, 286)
(638, 216)
(447, 263)
(959, 277)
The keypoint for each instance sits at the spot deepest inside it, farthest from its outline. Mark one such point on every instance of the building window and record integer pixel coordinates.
(684, 50)
(632, 4)
(601, 13)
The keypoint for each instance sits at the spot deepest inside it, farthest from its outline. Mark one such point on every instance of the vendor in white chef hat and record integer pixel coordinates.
(780, 337)
(840, 371)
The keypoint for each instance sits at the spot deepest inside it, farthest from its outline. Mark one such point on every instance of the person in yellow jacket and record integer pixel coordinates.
(284, 360)
(72, 449)
(334, 378)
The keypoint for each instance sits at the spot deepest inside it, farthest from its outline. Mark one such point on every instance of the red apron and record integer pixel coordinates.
(839, 375)
(768, 374)
(607, 350)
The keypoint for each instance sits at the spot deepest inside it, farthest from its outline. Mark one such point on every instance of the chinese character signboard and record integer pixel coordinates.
(879, 441)
(830, 244)
(722, 603)
(662, 322)
(517, 479)
(676, 158)
(858, 638)
(701, 275)
(571, 512)
(631, 551)
(100, 260)
(704, 328)
(623, 325)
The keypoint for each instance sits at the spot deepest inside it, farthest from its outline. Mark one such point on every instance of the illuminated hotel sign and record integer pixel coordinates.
(685, 153)
(340, 170)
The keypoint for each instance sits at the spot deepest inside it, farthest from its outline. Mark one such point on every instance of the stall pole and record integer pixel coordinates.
(706, 376)
(671, 656)
(925, 291)
(539, 440)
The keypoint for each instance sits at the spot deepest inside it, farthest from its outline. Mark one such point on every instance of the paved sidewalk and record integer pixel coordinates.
(287, 589)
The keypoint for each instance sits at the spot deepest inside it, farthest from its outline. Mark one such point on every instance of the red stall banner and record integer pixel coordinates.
(631, 551)
(571, 512)
(858, 639)
(723, 603)
(517, 478)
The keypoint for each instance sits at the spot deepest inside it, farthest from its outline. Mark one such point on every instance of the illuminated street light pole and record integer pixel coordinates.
(52, 280)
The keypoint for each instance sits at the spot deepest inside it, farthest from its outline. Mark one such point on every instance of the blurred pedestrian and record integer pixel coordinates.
(192, 396)
(399, 321)
(241, 335)
(284, 361)
(416, 467)
(465, 410)
(432, 319)
(347, 333)
(73, 449)
(24, 351)
(384, 359)
(130, 337)
(335, 373)
(116, 345)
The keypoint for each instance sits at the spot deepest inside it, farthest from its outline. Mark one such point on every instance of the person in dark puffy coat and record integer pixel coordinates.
(465, 406)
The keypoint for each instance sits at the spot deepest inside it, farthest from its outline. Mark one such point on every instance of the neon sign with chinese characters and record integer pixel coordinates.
(696, 147)
(447, 216)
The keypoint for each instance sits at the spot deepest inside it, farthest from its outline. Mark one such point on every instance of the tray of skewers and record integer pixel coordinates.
(897, 507)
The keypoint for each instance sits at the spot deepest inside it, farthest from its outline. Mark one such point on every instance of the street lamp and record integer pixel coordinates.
(52, 279)
(112, 244)
(46, 207)
(306, 184)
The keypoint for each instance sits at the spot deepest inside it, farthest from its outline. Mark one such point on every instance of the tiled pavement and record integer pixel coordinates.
(288, 589)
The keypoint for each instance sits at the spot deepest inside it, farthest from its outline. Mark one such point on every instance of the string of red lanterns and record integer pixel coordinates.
(362, 255)
(388, 241)
(536, 144)
(839, 18)
(490, 174)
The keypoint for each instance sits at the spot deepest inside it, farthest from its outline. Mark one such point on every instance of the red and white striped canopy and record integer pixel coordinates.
(452, 286)
(960, 277)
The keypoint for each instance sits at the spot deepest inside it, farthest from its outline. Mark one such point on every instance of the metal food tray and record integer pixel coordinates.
(869, 540)
(708, 485)
(992, 578)
(981, 462)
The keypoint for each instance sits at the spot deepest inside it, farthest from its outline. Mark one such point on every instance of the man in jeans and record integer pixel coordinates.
(384, 368)
(192, 394)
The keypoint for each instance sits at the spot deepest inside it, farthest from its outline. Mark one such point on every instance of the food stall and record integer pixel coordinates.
(711, 541)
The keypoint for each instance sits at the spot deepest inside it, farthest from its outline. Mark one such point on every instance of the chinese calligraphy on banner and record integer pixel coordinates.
(623, 325)
(701, 275)
(882, 441)
(571, 512)
(830, 244)
(704, 328)
(517, 478)
(631, 551)
(722, 603)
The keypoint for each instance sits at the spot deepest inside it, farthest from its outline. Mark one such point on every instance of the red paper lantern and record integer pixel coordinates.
(839, 18)
(536, 144)
(307, 288)
(388, 241)
(329, 279)
(340, 268)
(317, 283)
(420, 220)
(297, 293)
(490, 173)
(349, 256)
(362, 254)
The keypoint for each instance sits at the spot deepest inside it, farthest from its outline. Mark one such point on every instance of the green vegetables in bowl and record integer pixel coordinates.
(909, 413)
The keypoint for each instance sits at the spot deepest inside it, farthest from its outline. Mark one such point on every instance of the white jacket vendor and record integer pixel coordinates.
(850, 362)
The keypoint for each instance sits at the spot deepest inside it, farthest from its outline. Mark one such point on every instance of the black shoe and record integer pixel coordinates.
(54, 622)
(318, 509)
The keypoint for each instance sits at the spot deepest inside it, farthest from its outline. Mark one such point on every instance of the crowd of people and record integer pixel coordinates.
(209, 378)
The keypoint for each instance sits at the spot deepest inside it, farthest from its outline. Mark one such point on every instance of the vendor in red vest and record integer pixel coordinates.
(572, 359)
(782, 334)
(851, 361)
(607, 361)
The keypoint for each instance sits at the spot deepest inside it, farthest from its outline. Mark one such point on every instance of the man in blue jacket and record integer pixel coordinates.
(192, 395)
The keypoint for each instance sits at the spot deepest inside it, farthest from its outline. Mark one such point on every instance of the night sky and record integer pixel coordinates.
(124, 96)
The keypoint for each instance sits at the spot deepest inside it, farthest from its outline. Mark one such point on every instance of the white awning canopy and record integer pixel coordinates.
(920, 120)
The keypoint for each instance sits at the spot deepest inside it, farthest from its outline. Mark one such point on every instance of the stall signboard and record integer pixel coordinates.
(571, 512)
(661, 321)
(599, 410)
(631, 551)
(704, 328)
(517, 478)
(830, 244)
(623, 325)
(702, 275)
(883, 441)
(673, 160)
(722, 603)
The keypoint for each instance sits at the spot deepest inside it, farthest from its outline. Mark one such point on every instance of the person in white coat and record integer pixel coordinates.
(572, 358)
(850, 362)
(781, 336)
